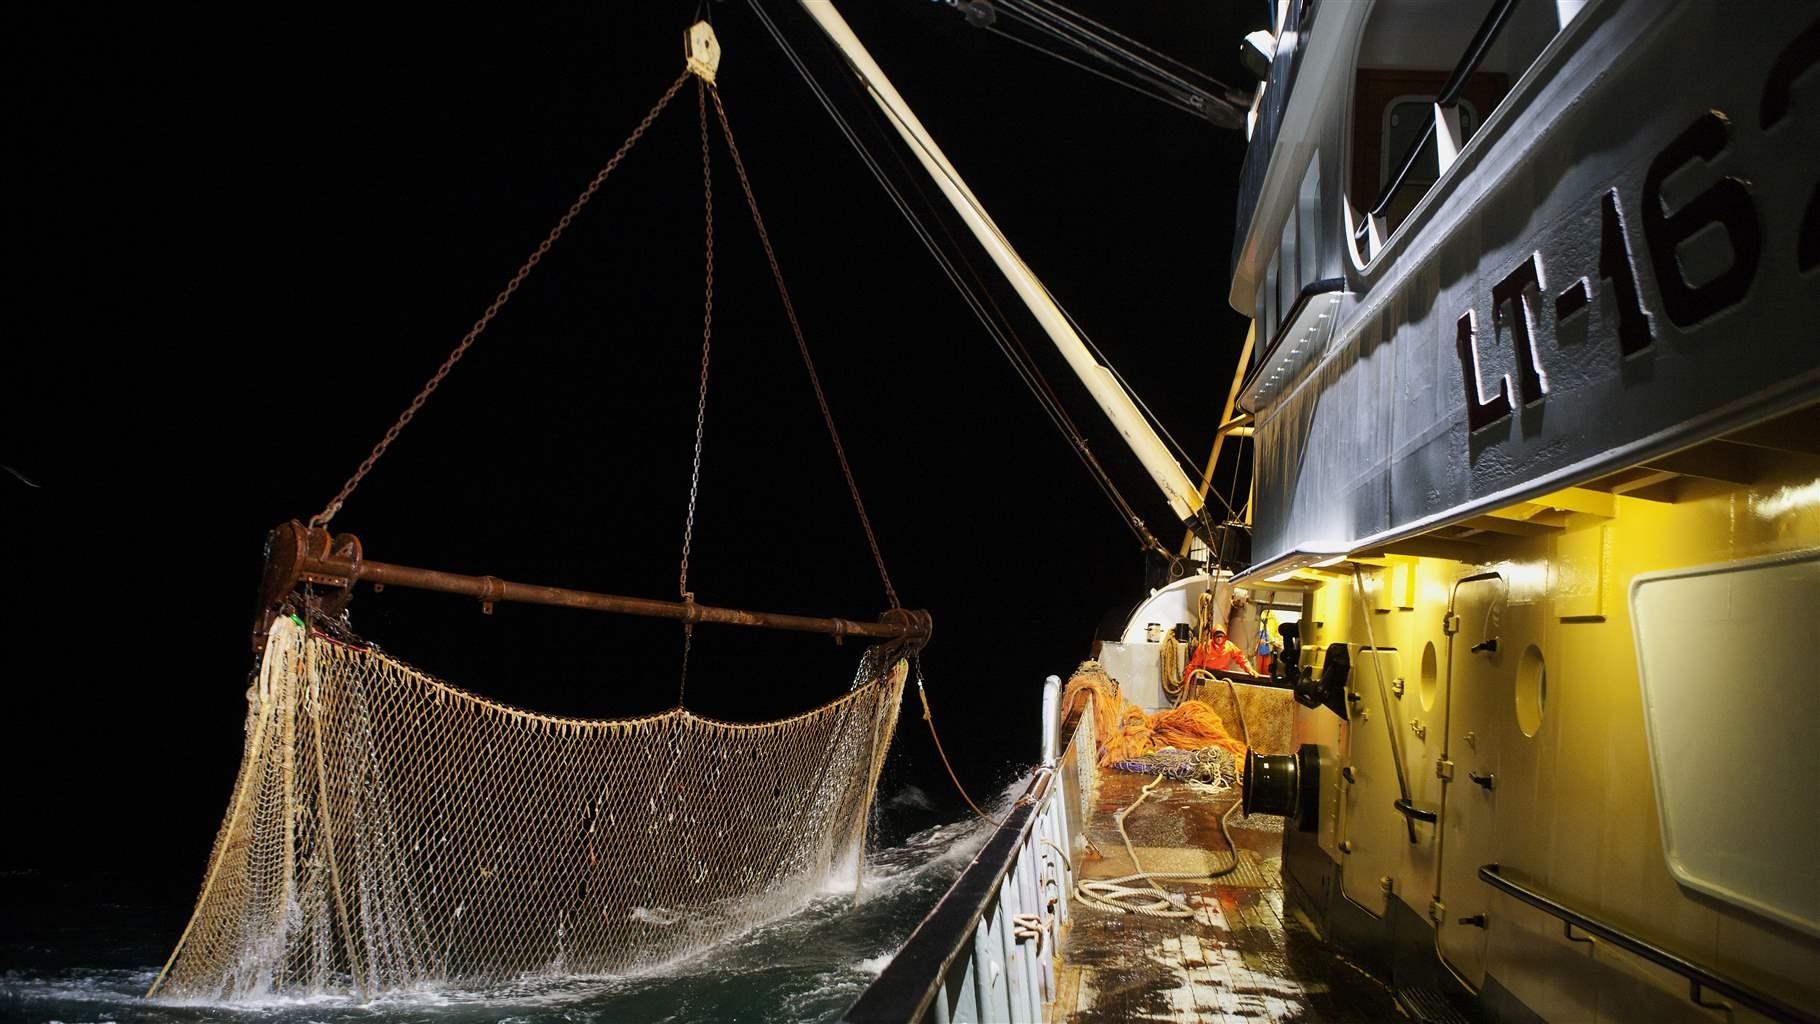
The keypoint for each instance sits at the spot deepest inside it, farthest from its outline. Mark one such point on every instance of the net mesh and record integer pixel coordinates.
(388, 830)
(1127, 732)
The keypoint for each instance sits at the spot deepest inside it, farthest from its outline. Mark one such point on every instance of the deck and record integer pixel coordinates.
(1240, 958)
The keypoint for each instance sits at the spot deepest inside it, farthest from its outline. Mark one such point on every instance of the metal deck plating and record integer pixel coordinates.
(1242, 956)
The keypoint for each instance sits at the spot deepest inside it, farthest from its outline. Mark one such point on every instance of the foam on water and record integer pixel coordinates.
(808, 965)
(873, 966)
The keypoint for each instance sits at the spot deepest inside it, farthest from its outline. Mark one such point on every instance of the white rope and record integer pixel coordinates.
(1115, 895)
(1170, 669)
(1031, 926)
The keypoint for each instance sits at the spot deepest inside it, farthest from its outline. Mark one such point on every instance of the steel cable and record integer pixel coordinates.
(1002, 335)
(802, 346)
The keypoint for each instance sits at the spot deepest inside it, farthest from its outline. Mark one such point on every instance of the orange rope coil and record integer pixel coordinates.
(1128, 732)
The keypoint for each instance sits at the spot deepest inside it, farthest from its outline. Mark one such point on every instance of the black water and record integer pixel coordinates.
(86, 948)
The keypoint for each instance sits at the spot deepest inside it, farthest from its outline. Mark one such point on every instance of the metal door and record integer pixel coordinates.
(1479, 700)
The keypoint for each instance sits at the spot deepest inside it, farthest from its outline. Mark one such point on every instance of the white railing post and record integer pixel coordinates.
(982, 969)
(1447, 137)
(1052, 724)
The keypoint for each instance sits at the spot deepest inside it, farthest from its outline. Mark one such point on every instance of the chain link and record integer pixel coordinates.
(802, 345)
(322, 518)
(707, 334)
(701, 401)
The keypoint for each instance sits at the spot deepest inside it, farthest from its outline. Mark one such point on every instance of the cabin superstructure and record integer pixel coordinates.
(1536, 421)
(1611, 263)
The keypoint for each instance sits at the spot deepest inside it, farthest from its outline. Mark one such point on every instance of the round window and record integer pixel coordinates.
(1532, 690)
(1429, 674)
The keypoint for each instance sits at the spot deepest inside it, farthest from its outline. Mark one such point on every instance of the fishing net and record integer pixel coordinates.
(389, 831)
(1215, 766)
(1126, 732)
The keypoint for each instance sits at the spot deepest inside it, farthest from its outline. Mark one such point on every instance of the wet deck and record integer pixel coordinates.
(1240, 958)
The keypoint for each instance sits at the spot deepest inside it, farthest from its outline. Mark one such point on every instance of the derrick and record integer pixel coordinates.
(389, 829)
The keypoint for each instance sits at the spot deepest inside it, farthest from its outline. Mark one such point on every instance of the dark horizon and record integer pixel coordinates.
(242, 262)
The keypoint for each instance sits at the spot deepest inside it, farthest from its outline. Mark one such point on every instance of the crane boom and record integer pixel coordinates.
(1111, 397)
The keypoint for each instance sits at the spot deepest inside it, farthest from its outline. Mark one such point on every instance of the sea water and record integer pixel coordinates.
(807, 966)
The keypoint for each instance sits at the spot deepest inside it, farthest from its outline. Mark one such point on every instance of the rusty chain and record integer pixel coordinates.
(705, 90)
(322, 518)
(802, 345)
(701, 401)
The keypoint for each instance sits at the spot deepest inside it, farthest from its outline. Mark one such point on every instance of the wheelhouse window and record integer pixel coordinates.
(1429, 73)
(1404, 121)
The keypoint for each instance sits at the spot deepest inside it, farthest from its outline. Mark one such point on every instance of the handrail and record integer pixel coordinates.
(1226, 675)
(1408, 809)
(911, 987)
(907, 987)
(1698, 977)
(1476, 50)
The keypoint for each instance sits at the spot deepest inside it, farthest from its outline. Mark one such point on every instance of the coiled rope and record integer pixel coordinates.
(1116, 895)
(1169, 652)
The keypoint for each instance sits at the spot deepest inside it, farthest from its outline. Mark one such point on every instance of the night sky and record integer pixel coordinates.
(239, 246)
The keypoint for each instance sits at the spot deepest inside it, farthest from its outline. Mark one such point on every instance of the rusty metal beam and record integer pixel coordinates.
(489, 589)
(299, 555)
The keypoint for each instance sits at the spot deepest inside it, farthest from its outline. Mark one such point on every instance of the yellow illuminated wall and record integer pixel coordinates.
(1554, 717)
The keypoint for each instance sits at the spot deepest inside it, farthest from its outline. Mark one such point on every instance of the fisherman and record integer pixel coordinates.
(1219, 654)
(1265, 650)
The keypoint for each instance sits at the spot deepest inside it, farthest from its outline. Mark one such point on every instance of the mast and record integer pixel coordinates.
(1112, 399)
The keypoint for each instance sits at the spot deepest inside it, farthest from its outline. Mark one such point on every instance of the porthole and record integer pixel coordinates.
(1532, 690)
(1429, 673)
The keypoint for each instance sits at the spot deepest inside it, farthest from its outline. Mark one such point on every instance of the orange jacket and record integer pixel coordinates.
(1219, 655)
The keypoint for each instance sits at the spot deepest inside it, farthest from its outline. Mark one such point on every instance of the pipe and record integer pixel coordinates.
(1384, 705)
(1111, 397)
(896, 624)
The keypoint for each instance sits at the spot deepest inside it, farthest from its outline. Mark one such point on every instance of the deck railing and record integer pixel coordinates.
(986, 953)
(1443, 127)
(1700, 979)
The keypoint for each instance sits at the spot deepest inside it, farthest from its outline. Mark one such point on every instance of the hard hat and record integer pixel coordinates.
(1220, 630)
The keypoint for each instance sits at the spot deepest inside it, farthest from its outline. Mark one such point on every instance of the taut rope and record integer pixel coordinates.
(840, 451)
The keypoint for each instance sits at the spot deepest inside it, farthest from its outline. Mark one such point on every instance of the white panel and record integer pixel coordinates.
(1724, 656)
(1138, 669)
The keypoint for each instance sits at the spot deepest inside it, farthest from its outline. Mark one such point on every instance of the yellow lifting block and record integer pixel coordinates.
(702, 51)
